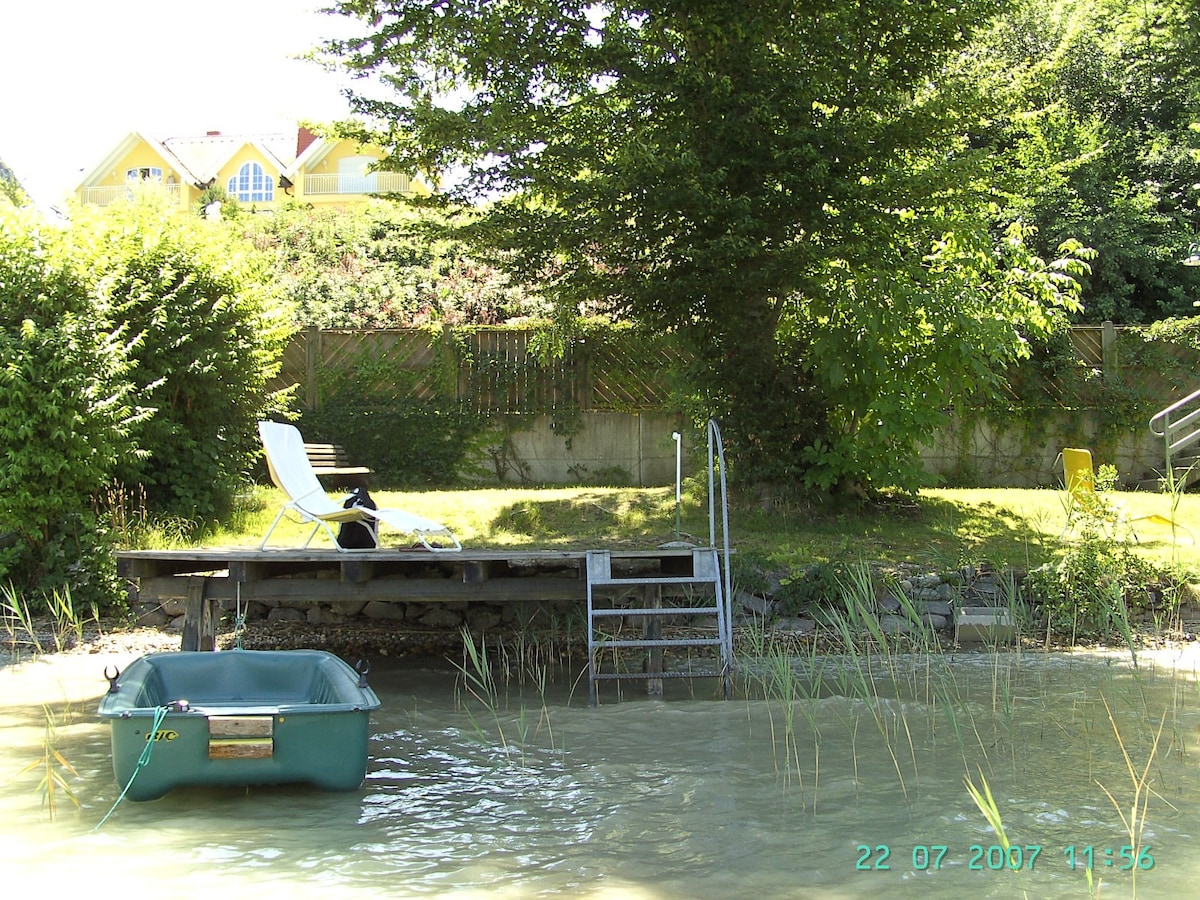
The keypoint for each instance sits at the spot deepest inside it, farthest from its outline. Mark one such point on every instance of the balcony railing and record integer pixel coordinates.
(103, 196)
(371, 183)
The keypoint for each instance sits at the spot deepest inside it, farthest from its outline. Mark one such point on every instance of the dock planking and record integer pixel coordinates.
(205, 577)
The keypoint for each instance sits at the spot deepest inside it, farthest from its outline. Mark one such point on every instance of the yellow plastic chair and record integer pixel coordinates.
(1080, 479)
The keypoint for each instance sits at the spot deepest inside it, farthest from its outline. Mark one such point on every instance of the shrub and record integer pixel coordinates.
(1097, 589)
(64, 416)
(209, 335)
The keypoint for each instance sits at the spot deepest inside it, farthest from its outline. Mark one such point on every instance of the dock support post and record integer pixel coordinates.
(652, 631)
(199, 617)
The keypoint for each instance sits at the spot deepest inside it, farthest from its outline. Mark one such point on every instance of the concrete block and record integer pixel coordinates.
(990, 624)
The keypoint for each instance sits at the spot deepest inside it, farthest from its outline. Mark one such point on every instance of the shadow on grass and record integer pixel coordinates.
(935, 530)
(591, 519)
(932, 529)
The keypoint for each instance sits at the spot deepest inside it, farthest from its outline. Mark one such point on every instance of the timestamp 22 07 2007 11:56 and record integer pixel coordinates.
(995, 858)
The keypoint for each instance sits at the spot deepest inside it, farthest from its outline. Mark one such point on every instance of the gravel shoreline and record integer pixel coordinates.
(116, 638)
(374, 640)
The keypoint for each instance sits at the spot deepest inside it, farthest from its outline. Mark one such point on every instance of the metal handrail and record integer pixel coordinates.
(1181, 432)
(716, 444)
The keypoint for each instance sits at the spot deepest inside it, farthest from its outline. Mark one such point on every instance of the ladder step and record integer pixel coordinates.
(617, 676)
(664, 611)
(645, 642)
(651, 579)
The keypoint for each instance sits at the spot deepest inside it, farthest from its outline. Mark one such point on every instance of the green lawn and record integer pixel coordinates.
(941, 529)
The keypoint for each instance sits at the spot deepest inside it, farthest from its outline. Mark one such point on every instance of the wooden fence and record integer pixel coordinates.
(499, 370)
(502, 370)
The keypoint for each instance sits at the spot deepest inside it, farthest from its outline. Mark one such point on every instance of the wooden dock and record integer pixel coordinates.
(655, 587)
(205, 577)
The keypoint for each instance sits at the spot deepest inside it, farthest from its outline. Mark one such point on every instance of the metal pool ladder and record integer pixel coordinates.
(684, 592)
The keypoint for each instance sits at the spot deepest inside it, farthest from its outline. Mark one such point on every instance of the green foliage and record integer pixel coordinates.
(1099, 584)
(10, 188)
(65, 416)
(207, 337)
(1183, 332)
(130, 304)
(408, 443)
(1093, 124)
(819, 585)
(382, 266)
(951, 328)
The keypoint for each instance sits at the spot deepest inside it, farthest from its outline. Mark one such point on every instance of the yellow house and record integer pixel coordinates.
(259, 171)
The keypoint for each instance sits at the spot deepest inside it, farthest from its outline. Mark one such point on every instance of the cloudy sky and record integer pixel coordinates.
(76, 76)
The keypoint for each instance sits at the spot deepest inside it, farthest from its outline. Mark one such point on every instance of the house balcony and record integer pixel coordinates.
(371, 183)
(106, 194)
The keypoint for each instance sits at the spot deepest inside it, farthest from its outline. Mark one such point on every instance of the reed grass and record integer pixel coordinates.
(477, 684)
(17, 619)
(68, 619)
(1133, 816)
(986, 804)
(477, 680)
(53, 768)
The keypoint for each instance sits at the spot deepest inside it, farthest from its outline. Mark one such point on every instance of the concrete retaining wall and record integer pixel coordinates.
(610, 447)
(638, 449)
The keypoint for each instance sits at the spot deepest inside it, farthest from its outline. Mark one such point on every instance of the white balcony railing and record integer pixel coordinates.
(103, 196)
(371, 183)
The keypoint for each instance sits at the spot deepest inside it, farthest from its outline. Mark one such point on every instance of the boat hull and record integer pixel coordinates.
(241, 717)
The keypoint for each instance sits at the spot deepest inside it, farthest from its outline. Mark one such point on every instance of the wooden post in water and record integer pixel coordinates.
(199, 617)
(653, 631)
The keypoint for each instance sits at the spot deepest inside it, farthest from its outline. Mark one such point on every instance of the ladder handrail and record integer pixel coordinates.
(1164, 414)
(714, 441)
(706, 570)
(1162, 426)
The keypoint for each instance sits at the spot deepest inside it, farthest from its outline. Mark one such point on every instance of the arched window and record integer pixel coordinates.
(251, 184)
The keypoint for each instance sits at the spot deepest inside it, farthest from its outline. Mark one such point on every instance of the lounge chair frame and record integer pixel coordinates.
(293, 474)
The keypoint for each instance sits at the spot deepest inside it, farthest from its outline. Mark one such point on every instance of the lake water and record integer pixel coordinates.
(853, 789)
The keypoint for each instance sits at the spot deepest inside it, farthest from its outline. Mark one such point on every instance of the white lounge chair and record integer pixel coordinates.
(292, 473)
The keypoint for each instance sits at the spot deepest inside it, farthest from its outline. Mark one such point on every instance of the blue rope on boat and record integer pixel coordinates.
(159, 715)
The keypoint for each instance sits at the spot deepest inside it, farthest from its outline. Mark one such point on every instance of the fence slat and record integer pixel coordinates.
(493, 370)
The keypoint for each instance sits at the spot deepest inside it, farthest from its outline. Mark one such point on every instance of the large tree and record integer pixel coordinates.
(787, 184)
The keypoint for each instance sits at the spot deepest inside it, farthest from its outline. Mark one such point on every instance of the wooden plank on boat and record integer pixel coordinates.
(241, 748)
(241, 726)
(241, 737)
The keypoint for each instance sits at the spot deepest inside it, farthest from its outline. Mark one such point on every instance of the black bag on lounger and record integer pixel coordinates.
(357, 535)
